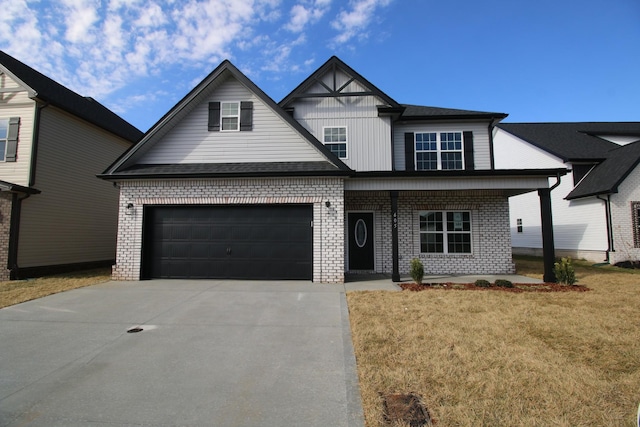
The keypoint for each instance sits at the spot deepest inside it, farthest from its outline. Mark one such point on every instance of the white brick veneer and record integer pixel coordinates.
(622, 219)
(328, 231)
(491, 237)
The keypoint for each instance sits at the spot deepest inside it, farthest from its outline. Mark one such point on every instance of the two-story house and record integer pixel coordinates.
(596, 210)
(54, 214)
(336, 178)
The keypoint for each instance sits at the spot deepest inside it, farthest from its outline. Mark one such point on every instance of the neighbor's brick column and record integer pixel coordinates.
(328, 232)
(5, 228)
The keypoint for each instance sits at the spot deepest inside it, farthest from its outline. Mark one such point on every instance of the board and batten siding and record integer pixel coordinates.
(271, 139)
(18, 104)
(75, 217)
(368, 136)
(481, 149)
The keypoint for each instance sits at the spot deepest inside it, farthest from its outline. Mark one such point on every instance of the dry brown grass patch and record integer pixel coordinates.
(17, 291)
(516, 359)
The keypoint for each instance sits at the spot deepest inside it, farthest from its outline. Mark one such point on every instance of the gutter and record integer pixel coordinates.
(607, 213)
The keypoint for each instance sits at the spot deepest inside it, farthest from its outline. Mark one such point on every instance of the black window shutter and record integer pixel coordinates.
(409, 150)
(468, 151)
(214, 116)
(246, 115)
(12, 139)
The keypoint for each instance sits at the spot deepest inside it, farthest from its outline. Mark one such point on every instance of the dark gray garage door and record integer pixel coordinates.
(228, 242)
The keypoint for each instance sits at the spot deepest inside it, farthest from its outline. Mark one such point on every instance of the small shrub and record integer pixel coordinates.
(564, 272)
(483, 283)
(504, 283)
(417, 271)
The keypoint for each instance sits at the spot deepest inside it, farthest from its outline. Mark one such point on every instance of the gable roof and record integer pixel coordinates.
(47, 90)
(335, 63)
(125, 167)
(572, 141)
(418, 112)
(608, 175)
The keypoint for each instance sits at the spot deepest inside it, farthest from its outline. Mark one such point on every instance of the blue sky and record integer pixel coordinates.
(543, 60)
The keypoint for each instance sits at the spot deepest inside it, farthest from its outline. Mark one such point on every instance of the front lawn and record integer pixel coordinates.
(17, 291)
(486, 358)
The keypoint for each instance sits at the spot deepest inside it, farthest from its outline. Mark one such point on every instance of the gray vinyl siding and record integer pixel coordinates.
(368, 136)
(481, 148)
(74, 219)
(270, 140)
(18, 104)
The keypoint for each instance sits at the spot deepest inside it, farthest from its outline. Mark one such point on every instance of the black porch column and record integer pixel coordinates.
(395, 275)
(548, 247)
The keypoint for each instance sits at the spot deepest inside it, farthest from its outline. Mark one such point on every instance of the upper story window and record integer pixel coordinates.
(445, 232)
(335, 139)
(439, 151)
(4, 133)
(230, 115)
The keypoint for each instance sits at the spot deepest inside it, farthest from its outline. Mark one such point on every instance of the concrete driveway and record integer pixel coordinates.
(211, 353)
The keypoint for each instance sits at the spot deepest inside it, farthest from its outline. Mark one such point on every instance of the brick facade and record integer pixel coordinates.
(622, 219)
(5, 229)
(328, 231)
(491, 237)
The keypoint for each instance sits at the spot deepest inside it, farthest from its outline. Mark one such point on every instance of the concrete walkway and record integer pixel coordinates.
(211, 353)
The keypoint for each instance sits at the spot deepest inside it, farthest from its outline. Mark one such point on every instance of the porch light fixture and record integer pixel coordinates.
(129, 210)
(327, 203)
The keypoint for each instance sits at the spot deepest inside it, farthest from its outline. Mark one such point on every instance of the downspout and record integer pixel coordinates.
(36, 139)
(14, 231)
(607, 212)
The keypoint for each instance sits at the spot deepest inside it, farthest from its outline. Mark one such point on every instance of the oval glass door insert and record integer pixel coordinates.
(360, 233)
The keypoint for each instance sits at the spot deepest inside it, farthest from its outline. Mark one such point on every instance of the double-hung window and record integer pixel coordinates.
(445, 232)
(230, 115)
(4, 133)
(439, 151)
(335, 139)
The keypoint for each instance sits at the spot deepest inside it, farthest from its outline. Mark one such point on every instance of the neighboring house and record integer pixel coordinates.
(336, 178)
(595, 211)
(54, 213)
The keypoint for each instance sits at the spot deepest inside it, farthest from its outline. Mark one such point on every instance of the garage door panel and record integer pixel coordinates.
(256, 241)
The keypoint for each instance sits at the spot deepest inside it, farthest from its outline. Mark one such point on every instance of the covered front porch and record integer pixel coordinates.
(455, 224)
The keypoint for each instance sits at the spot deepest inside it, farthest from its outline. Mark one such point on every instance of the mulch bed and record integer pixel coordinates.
(517, 287)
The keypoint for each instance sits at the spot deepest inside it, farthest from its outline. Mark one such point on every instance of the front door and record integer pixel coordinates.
(360, 231)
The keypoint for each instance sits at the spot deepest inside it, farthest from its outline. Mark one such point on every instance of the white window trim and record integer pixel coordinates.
(444, 232)
(346, 142)
(439, 150)
(222, 115)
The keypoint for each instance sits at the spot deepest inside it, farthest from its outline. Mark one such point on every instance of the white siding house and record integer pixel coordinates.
(587, 224)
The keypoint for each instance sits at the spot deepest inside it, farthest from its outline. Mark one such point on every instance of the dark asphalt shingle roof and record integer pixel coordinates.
(230, 169)
(572, 141)
(425, 112)
(608, 175)
(54, 93)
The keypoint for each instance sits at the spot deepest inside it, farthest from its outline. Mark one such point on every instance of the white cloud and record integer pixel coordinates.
(354, 22)
(302, 14)
(80, 15)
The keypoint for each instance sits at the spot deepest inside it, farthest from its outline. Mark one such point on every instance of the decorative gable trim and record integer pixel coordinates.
(332, 66)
